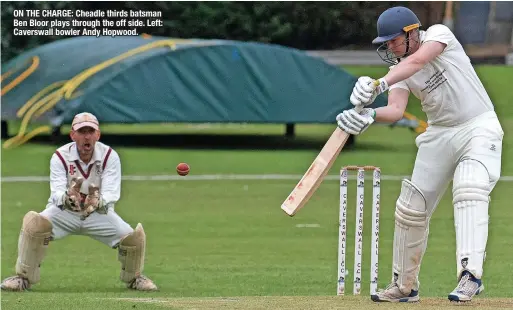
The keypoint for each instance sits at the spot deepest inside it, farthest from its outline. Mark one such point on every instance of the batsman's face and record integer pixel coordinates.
(397, 45)
(85, 138)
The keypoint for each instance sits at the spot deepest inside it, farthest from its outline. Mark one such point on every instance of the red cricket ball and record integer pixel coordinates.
(183, 169)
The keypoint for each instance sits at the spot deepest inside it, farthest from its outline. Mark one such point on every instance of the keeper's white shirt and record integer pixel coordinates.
(448, 87)
(104, 171)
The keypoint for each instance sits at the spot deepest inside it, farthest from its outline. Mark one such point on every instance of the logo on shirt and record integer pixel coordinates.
(98, 167)
(71, 170)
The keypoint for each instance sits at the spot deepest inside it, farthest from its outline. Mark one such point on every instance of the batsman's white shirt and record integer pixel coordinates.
(104, 171)
(448, 87)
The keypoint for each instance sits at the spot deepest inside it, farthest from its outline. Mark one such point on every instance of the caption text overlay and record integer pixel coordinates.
(84, 23)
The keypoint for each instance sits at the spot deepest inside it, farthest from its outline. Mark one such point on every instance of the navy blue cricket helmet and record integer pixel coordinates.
(392, 23)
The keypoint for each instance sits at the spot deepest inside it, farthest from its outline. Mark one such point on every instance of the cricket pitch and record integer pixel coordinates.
(315, 302)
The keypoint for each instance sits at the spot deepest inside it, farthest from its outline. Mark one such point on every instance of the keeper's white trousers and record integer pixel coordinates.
(108, 228)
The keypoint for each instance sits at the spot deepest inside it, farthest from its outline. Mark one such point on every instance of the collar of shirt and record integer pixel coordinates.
(73, 154)
(422, 36)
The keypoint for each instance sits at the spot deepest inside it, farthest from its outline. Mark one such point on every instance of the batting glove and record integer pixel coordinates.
(355, 123)
(366, 90)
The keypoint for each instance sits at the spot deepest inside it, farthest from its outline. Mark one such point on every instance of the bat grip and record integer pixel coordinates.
(359, 108)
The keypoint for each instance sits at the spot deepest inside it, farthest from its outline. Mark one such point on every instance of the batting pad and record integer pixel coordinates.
(35, 235)
(471, 189)
(131, 254)
(409, 236)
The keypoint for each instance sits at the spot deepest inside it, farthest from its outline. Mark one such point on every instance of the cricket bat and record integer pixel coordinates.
(316, 173)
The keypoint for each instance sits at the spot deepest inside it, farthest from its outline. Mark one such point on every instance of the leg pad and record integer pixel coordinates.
(131, 254)
(471, 189)
(409, 236)
(35, 235)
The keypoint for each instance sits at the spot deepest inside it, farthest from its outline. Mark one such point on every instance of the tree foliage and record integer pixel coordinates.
(303, 25)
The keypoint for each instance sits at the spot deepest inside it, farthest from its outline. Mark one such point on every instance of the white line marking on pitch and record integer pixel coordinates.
(308, 225)
(139, 299)
(216, 177)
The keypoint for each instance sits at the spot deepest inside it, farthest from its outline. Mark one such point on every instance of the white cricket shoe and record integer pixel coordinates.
(392, 293)
(142, 283)
(15, 284)
(468, 287)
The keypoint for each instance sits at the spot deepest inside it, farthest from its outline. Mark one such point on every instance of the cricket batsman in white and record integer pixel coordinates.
(85, 184)
(463, 143)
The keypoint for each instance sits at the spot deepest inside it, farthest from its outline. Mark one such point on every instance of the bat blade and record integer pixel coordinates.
(315, 174)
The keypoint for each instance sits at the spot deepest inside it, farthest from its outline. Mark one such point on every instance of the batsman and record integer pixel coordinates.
(85, 184)
(463, 143)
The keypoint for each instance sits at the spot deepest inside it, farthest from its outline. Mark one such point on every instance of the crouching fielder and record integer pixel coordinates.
(85, 183)
(463, 143)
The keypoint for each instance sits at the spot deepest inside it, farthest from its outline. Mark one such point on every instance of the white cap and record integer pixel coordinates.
(85, 119)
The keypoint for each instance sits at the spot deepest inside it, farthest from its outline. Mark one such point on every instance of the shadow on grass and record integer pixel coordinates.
(215, 141)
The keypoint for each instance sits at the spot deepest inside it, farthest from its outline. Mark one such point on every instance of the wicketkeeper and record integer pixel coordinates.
(463, 143)
(85, 184)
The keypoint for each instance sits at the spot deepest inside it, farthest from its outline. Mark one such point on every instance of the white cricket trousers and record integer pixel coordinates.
(440, 149)
(107, 228)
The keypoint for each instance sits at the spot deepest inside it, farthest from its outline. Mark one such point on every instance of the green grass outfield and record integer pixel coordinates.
(226, 244)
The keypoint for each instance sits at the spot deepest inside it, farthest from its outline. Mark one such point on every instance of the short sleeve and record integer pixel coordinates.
(401, 84)
(440, 33)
